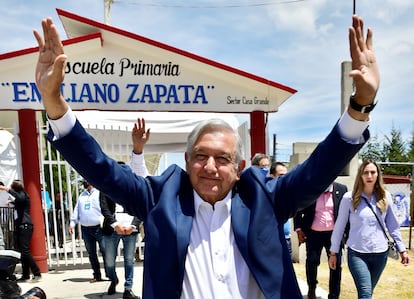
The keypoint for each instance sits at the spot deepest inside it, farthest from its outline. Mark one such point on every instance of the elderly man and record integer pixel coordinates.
(212, 231)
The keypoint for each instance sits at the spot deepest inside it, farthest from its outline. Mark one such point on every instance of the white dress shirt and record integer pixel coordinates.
(214, 267)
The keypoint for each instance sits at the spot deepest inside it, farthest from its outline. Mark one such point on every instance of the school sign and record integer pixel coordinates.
(112, 69)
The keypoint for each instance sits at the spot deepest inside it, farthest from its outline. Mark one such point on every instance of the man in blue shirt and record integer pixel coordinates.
(87, 212)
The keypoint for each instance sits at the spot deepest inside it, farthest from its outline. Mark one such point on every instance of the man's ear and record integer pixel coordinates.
(241, 166)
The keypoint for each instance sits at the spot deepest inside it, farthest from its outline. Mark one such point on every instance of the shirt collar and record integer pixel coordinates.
(226, 201)
(329, 189)
(90, 191)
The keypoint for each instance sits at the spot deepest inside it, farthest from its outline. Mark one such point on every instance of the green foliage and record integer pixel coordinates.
(393, 149)
(372, 150)
(410, 153)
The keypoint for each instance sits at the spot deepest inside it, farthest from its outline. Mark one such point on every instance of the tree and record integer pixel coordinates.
(372, 150)
(395, 150)
(410, 153)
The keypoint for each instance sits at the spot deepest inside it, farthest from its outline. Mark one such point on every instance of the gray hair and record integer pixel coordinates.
(258, 157)
(215, 125)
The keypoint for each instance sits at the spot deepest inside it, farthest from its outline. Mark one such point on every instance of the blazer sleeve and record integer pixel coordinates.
(119, 183)
(302, 185)
(107, 209)
(136, 222)
(297, 220)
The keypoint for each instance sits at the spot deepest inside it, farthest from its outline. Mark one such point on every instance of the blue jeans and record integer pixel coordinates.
(92, 235)
(111, 246)
(366, 269)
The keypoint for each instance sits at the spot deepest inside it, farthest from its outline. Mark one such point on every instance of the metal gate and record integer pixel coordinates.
(61, 185)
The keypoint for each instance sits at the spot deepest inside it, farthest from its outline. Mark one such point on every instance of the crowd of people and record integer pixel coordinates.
(117, 225)
(218, 229)
(367, 244)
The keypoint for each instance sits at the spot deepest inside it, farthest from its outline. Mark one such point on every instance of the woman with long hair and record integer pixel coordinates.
(367, 243)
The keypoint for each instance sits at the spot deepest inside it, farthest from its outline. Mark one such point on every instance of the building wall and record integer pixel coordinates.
(300, 152)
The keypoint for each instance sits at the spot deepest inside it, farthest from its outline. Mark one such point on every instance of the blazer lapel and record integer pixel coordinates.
(337, 196)
(184, 217)
(240, 219)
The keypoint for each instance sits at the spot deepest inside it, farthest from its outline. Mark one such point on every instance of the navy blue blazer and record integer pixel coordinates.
(260, 206)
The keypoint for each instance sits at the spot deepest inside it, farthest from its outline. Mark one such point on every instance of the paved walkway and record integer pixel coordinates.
(72, 282)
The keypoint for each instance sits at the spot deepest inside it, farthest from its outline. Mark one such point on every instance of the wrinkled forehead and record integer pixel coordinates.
(216, 138)
(218, 133)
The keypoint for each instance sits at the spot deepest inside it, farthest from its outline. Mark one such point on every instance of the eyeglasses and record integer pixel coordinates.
(219, 160)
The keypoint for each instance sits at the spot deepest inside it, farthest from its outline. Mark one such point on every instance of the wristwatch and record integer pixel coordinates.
(363, 109)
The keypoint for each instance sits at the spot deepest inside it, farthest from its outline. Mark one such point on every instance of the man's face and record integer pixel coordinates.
(280, 170)
(211, 165)
(85, 184)
(264, 163)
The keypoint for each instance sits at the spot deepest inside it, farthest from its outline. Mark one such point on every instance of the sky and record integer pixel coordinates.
(297, 43)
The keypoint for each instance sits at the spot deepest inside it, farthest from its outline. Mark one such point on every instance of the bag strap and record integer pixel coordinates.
(376, 216)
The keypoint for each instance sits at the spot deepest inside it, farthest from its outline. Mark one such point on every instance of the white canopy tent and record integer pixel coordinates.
(169, 130)
(8, 159)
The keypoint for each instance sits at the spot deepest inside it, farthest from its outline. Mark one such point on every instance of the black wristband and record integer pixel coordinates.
(363, 109)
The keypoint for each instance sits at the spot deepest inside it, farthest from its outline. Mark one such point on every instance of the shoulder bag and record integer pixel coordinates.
(392, 246)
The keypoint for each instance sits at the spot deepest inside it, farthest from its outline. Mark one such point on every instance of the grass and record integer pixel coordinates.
(396, 281)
